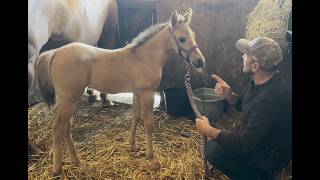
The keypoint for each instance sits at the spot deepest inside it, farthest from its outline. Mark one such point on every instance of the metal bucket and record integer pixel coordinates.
(209, 104)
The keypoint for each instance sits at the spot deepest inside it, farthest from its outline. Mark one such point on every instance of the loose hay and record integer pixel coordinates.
(101, 139)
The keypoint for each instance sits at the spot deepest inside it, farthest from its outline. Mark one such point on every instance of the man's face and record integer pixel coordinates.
(247, 62)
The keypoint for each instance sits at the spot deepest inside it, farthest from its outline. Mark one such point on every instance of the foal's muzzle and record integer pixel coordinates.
(199, 63)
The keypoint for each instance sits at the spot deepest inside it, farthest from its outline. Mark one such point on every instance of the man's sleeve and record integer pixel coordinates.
(259, 123)
(238, 104)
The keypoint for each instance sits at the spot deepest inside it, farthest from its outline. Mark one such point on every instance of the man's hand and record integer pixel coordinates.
(205, 128)
(202, 125)
(222, 88)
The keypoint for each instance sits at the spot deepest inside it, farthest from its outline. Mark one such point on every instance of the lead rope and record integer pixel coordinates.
(185, 56)
(198, 114)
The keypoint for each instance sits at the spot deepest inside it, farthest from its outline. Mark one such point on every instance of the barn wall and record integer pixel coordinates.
(134, 17)
(218, 24)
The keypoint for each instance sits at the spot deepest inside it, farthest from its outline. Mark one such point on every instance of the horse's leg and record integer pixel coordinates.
(59, 127)
(37, 37)
(32, 55)
(72, 150)
(146, 99)
(136, 116)
(106, 102)
(31, 148)
(92, 97)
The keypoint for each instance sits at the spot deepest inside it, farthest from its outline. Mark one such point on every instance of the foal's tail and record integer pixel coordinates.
(42, 70)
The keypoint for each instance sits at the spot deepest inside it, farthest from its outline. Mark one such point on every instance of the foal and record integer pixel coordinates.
(136, 68)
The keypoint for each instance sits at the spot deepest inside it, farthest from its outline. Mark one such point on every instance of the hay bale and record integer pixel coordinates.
(270, 20)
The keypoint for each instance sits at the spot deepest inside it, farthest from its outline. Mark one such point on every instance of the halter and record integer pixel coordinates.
(183, 52)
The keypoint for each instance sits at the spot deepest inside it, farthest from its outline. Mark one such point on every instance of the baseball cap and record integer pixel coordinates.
(263, 49)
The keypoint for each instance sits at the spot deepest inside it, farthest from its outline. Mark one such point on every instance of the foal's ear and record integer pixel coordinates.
(187, 16)
(174, 18)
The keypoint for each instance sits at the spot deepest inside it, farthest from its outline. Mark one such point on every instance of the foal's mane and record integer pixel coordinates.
(146, 35)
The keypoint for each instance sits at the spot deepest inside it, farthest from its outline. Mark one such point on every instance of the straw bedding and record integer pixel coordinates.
(101, 139)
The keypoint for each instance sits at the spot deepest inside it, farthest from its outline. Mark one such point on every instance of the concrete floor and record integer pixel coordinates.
(125, 98)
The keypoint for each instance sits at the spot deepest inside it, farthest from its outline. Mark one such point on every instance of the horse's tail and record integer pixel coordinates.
(42, 70)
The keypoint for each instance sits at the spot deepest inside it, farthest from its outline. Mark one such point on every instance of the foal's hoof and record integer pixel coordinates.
(92, 98)
(79, 165)
(141, 154)
(58, 176)
(32, 150)
(134, 148)
(107, 104)
(150, 156)
(154, 163)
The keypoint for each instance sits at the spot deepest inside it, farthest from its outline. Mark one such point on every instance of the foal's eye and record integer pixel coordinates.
(182, 39)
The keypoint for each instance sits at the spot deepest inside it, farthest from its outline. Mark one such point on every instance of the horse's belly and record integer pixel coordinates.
(115, 84)
(130, 84)
(88, 22)
(84, 35)
(110, 82)
(119, 75)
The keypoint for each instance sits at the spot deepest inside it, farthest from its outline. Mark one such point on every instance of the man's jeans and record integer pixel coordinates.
(238, 167)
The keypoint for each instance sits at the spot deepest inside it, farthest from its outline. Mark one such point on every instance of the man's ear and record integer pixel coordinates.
(255, 66)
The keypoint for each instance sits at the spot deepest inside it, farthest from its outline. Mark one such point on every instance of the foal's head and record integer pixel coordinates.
(184, 39)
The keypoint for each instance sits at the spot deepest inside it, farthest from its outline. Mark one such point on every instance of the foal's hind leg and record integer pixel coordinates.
(136, 116)
(72, 150)
(146, 99)
(65, 110)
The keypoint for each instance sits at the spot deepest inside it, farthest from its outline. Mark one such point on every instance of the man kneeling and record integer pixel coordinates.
(262, 145)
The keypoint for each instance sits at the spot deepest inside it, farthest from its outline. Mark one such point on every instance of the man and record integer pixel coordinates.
(262, 145)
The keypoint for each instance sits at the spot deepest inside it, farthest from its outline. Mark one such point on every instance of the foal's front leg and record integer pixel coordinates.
(146, 99)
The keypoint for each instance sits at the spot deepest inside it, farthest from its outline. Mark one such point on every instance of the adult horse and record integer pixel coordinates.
(69, 21)
(135, 68)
